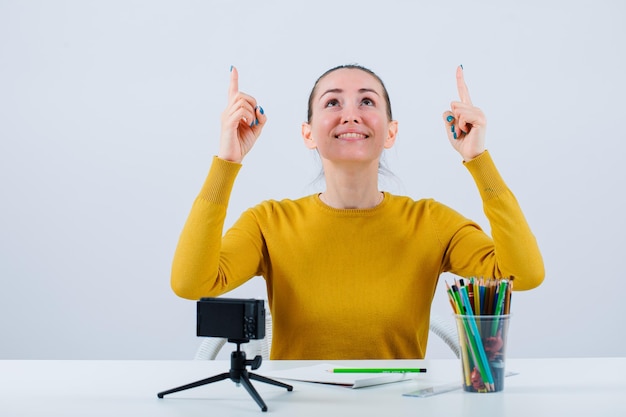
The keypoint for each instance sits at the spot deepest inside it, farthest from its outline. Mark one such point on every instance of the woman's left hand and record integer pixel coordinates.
(465, 124)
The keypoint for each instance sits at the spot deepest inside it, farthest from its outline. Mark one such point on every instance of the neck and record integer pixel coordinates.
(351, 189)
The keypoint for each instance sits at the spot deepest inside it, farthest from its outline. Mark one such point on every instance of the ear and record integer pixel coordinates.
(309, 142)
(392, 134)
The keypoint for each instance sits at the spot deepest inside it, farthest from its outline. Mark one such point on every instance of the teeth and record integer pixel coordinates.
(351, 136)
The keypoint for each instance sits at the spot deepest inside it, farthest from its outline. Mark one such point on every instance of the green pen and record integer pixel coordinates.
(377, 370)
(499, 306)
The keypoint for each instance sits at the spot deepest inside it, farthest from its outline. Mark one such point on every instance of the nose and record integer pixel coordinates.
(350, 114)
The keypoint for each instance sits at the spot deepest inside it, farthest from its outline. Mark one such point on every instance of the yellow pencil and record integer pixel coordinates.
(465, 361)
(476, 288)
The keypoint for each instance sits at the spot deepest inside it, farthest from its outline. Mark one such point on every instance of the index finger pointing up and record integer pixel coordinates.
(233, 88)
(462, 87)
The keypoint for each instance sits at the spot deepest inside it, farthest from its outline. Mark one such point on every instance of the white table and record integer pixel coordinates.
(544, 387)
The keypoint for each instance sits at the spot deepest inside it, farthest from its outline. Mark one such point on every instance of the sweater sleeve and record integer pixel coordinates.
(196, 265)
(512, 250)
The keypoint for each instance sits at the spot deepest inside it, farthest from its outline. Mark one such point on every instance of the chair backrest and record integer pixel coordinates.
(210, 346)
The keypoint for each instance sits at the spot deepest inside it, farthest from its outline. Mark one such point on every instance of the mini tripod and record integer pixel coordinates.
(238, 374)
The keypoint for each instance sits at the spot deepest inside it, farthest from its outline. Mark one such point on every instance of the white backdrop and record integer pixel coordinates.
(109, 117)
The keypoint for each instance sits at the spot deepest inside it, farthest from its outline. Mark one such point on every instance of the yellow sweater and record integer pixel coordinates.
(351, 284)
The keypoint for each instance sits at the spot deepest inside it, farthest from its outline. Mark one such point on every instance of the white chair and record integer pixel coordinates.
(210, 346)
(446, 330)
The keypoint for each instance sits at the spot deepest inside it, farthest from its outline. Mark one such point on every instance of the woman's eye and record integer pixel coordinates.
(367, 102)
(332, 103)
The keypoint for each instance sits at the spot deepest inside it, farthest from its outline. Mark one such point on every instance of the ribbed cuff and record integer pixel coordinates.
(219, 182)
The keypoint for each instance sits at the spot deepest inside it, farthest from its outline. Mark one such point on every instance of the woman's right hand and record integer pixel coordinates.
(242, 122)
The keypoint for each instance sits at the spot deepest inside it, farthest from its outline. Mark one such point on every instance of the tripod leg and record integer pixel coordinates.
(269, 381)
(205, 381)
(248, 386)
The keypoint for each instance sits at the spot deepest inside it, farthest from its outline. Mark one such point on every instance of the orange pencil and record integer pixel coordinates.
(507, 301)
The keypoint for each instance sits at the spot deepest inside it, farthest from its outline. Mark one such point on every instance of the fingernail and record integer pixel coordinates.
(231, 68)
(454, 135)
(449, 119)
(256, 122)
(261, 110)
(452, 128)
(461, 66)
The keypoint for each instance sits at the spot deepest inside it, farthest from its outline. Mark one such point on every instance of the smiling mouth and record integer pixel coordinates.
(351, 136)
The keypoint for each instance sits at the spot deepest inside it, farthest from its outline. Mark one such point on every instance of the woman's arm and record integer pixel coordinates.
(199, 269)
(512, 250)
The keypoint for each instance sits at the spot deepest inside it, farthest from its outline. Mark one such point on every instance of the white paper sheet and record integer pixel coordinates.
(323, 374)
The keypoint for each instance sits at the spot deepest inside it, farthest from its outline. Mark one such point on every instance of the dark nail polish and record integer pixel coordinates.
(449, 119)
(261, 110)
(454, 135)
(231, 68)
(452, 128)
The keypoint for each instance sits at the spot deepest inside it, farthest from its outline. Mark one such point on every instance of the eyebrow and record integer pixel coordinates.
(339, 90)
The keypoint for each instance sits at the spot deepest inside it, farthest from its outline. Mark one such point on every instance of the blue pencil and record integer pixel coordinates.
(486, 370)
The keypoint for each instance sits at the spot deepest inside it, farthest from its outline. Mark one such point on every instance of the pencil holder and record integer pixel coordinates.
(483, 351)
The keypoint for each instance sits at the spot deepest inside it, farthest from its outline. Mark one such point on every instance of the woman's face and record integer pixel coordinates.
(349, 120)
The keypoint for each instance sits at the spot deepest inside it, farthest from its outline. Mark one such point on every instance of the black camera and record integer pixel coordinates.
(232, 318)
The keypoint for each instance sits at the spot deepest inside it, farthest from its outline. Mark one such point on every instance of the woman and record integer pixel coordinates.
(350, 272)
